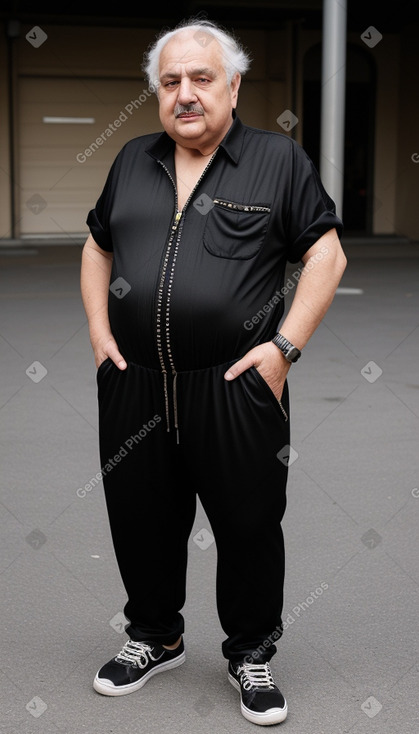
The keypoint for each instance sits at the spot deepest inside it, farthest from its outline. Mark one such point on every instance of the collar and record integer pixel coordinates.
(232, 143)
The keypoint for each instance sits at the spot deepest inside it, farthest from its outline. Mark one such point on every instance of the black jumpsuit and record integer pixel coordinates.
(189, 295)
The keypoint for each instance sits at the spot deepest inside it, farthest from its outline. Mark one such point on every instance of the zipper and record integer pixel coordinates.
(159, 334)
(284, 412)
(241, 207)
(164, 295)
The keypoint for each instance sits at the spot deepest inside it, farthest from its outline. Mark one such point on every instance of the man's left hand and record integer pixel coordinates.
(269, 362)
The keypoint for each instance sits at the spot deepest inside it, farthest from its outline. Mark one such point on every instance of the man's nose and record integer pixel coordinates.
(186, 93)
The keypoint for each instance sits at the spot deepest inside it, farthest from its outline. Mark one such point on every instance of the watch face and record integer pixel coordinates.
(290, 352)
(293, 354)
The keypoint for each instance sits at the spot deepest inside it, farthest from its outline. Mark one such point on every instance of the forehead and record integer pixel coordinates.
(187, 48)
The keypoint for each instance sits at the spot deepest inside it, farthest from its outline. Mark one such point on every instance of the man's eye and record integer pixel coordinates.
(202, 79)
(170, 84)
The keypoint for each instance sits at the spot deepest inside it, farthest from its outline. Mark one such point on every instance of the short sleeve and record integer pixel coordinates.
(311, 211)
(98, 218)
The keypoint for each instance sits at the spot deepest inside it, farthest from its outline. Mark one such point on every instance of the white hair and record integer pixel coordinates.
(235, 57)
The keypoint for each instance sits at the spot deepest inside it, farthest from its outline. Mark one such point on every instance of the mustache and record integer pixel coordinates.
(182, 108)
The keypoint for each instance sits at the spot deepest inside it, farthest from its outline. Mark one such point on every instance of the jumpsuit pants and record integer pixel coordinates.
(224, 452)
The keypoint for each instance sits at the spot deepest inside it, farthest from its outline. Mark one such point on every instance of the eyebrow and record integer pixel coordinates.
(206, 71)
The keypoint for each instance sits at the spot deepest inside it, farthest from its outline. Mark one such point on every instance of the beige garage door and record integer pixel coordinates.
(70, 130)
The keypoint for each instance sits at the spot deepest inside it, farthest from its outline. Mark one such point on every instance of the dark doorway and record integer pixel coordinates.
(359, 132)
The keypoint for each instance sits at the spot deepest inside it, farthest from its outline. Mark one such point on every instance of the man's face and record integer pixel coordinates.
(195, 101)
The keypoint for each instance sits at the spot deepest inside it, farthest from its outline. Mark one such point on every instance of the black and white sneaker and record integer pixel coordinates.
(261, 700)
(135, 665)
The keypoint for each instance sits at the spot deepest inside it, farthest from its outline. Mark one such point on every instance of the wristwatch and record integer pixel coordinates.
(290, 352)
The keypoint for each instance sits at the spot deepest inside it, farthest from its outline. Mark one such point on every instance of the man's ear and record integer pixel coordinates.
(234, 89)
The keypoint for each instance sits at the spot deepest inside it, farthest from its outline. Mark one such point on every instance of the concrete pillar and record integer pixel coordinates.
(332, 126)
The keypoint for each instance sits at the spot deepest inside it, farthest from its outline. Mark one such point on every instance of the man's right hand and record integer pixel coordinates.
(108, 348)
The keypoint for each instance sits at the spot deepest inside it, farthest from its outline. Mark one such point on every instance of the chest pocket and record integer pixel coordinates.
(235, 231)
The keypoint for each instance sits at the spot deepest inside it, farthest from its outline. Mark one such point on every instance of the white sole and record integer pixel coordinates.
(272, 716)
(108, 689)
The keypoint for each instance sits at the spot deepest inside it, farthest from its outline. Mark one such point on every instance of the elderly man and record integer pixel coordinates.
(181, 281)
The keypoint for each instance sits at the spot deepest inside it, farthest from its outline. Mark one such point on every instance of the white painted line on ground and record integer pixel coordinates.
(349, 291)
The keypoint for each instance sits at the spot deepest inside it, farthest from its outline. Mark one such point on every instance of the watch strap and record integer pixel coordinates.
(290, 352)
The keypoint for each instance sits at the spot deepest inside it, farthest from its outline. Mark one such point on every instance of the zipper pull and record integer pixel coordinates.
(177, 220)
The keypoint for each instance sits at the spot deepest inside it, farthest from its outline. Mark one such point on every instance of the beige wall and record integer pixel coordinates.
(407, 172)
(97, 73)
(5, 224)
(386, 55)
(103, 68)
(62, 167)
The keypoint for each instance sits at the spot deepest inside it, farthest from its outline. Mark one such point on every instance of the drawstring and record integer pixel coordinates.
(166, 399)
(166, 403)
(175, 405)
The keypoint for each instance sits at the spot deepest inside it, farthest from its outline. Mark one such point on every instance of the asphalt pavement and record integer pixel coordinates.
(348, 659)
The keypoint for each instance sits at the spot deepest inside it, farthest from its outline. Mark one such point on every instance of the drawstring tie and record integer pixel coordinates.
(175, 405)
(166, 402)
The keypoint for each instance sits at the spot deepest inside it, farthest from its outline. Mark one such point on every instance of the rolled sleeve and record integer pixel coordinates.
(311, 211)
(100, 235)
(98, 218)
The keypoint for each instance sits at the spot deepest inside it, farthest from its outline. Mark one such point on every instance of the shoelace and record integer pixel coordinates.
(255, 676)
(134, 653)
